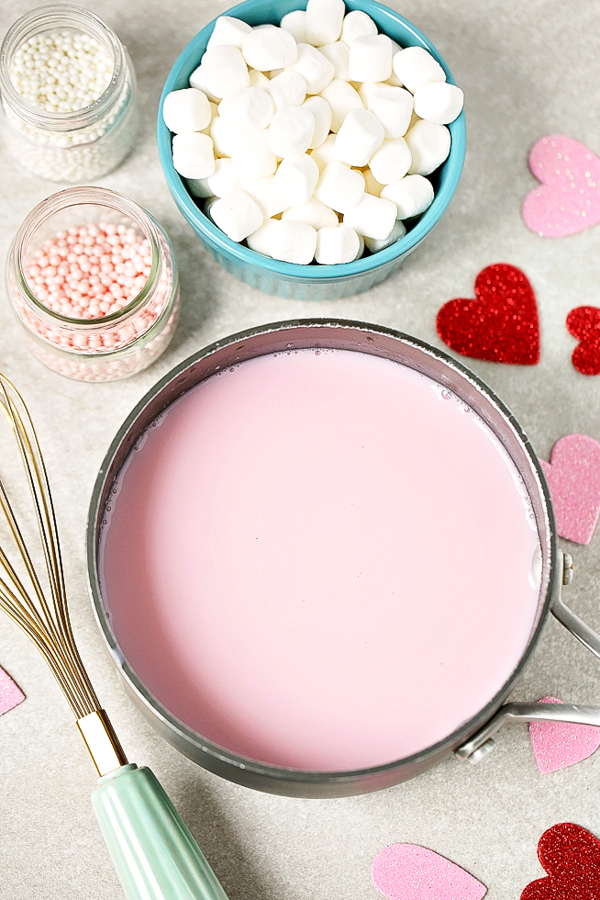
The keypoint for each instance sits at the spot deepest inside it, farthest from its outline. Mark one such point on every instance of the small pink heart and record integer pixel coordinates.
(573, 476)
(557, 745)
(10, 694)
(411, 872)
(568, 200)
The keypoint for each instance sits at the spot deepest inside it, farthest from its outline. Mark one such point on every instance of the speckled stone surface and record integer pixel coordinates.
(527, 69)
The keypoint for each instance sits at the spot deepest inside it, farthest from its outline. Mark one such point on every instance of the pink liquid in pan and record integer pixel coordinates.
(321, 560)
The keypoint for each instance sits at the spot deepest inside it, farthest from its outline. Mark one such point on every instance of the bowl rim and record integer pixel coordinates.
(188, 60)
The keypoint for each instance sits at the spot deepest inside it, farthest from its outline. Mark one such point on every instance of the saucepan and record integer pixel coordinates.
(321, 553)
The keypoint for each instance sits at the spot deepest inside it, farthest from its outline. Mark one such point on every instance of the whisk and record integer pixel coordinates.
(155, 856)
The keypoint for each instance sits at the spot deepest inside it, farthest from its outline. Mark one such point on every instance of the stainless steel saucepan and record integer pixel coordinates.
(472, 740)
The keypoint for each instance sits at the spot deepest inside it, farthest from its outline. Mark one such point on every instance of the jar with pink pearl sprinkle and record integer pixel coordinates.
(93, 281)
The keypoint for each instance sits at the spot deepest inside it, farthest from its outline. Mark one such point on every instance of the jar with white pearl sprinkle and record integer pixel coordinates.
(92, 280)
(68, 94)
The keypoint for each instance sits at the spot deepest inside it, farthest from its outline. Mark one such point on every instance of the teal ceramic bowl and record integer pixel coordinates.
(290, 280)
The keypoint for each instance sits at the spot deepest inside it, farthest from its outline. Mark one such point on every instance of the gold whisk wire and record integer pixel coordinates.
(44, 619)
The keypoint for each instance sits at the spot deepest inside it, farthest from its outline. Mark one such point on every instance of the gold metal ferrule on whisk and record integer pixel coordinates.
(102, 742)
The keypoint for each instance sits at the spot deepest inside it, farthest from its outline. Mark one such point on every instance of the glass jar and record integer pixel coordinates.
(76, 342)
(76, 146)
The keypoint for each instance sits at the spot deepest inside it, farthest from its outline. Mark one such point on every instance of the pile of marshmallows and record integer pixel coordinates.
(312, 139)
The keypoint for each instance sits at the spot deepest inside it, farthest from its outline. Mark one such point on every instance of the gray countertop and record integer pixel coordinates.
(527, 69)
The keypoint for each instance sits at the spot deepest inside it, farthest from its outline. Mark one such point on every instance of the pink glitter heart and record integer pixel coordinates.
(573, 476)
(10, 694)
(557, 745)
(568, 200)
(411, 872)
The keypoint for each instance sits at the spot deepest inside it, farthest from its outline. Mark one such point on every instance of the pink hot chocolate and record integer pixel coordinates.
(321, 560)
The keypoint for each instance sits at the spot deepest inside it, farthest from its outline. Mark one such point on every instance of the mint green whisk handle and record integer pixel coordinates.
(154, 854)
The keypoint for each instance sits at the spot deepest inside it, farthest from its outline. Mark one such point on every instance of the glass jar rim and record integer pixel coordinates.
(86, 196)
(45, 18)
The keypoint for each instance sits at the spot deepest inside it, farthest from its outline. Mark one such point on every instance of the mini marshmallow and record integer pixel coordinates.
(228, 30)
(287, 89)
(251, 155)
(340, 187)
(397, 232)
(295, 180)
(285, 241)
(293, 242)
(295, 23)
(291, 131)
(341, 97)
(337, 54)
(391, 162)
(370, 58)
(429, 145)
(324, 21)
(315, 68)
(208, 205)
(224, 71)
(249, 110)
(372, 217)
(359, 137)
(258, 79)
(222, 136)
(186, 110)
(268, 47)
(269, 200)
(415, 66)
(193, 154)
(312, 213)
(412, 195)
(393, 107)
(325, 152)
(335, 245)
(219, 184)
(263, 239)
(357, 24)
(439, 102)
(198, 81)
(237, 214)
(321, 110)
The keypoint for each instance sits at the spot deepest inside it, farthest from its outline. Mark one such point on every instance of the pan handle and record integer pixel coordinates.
(482, 742)
(478, 746)
(588, 637)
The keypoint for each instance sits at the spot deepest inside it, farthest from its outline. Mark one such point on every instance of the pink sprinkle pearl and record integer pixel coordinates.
(74, 269)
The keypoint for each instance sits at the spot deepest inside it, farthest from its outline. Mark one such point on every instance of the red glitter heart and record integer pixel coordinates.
(500, 325)
(584, 324)
(571, 857)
